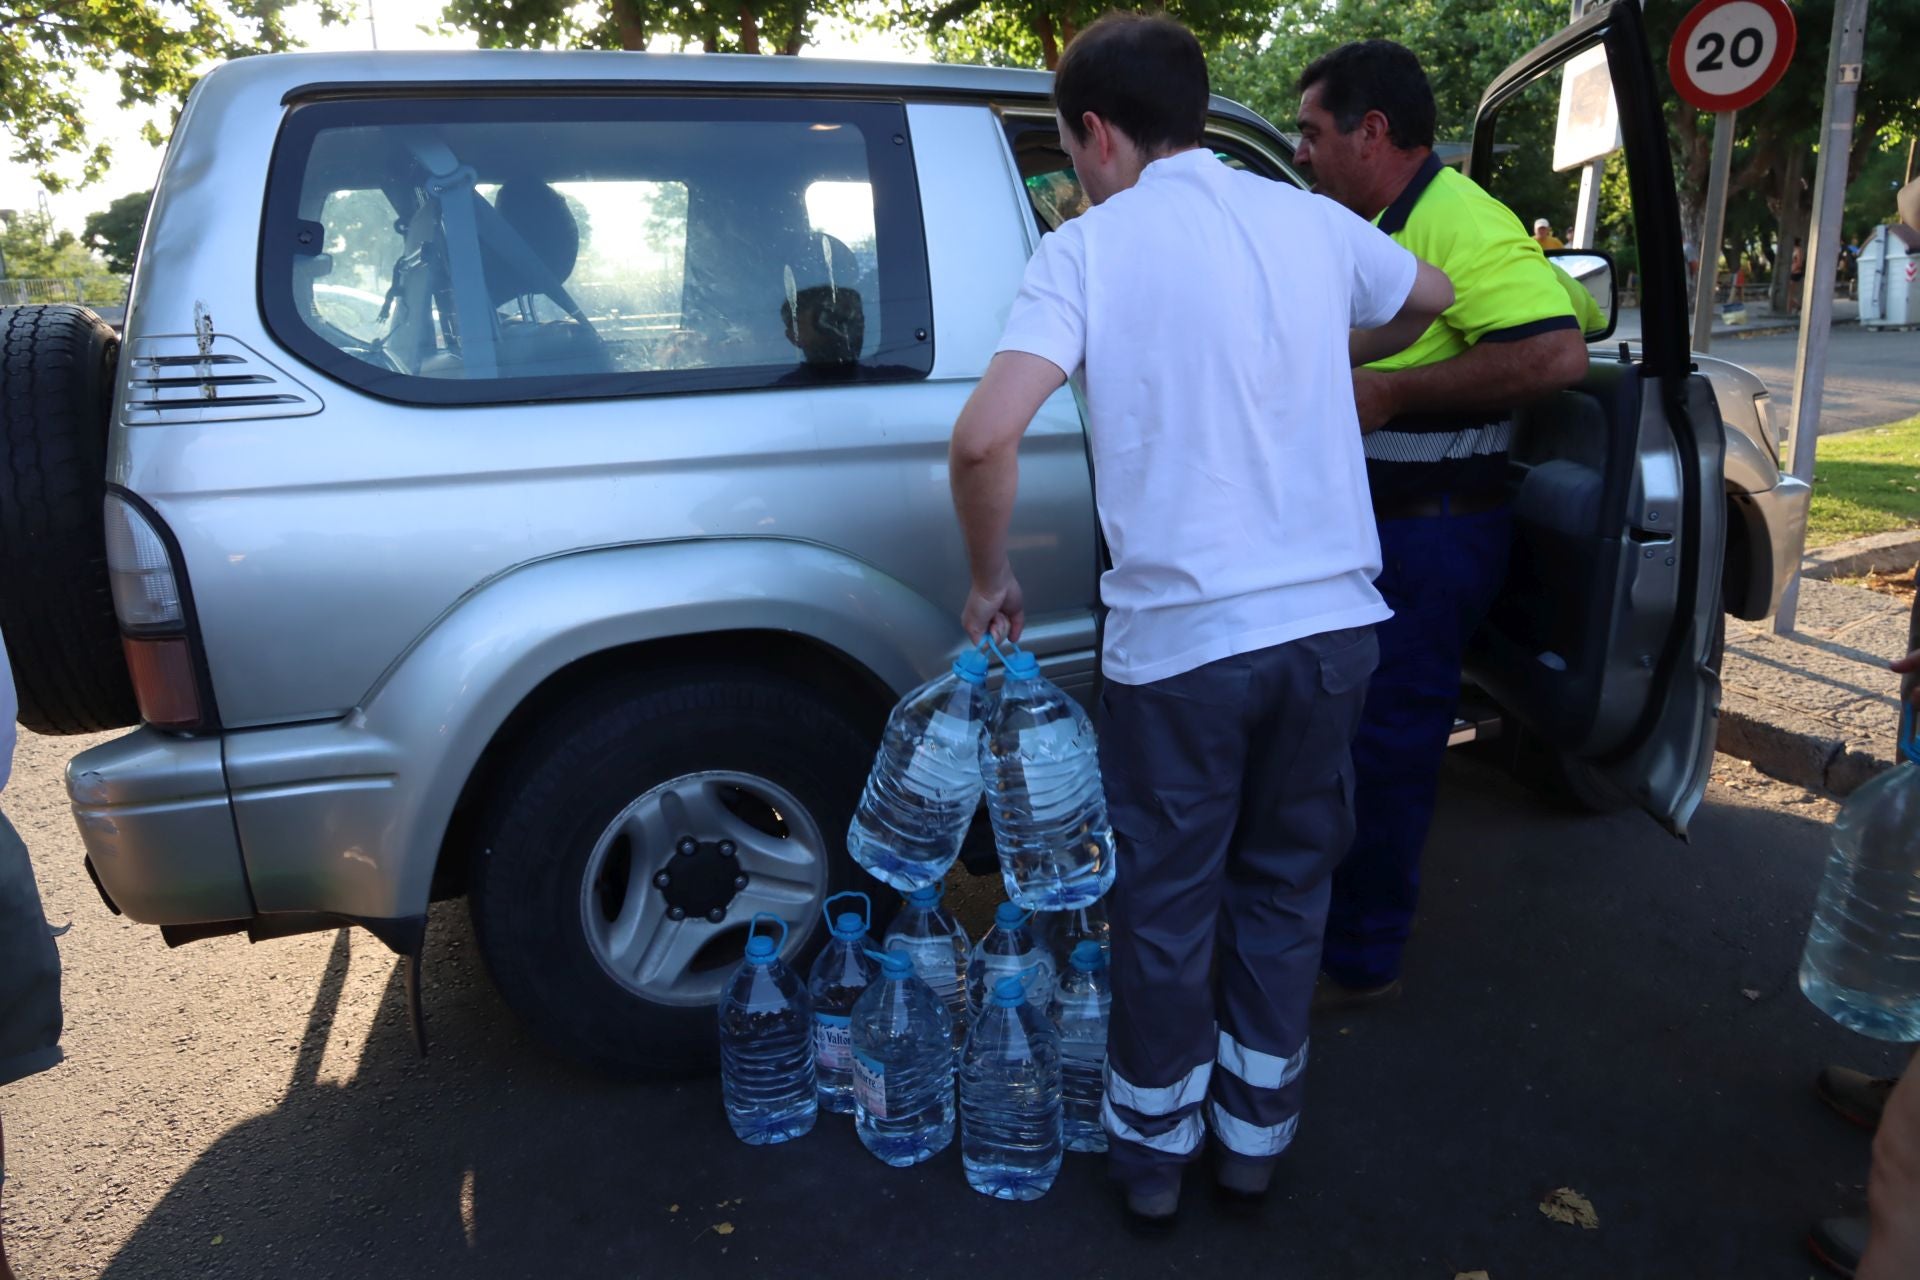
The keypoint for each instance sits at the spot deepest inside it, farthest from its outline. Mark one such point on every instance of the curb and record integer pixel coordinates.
(1824, 764)
(1875, 553)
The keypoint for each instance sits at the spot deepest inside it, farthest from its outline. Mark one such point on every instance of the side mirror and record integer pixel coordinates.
(1592, 286)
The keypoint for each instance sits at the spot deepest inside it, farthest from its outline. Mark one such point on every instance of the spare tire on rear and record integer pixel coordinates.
(56, 608)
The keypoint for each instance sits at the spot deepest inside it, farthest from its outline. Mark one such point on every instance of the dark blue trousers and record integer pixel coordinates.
(1440, 575)
(1231, 796)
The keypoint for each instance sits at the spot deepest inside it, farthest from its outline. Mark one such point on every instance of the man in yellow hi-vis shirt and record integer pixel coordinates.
(1438, 419)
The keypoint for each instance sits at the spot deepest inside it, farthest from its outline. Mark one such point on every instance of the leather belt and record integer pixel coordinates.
(1443, 504)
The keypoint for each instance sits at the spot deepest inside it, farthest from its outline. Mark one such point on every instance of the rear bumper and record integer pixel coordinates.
(154, 815)
(1782, 512)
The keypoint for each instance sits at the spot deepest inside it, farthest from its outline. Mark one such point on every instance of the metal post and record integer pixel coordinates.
(1816, 303)
(1711, 230)
(1586, 216)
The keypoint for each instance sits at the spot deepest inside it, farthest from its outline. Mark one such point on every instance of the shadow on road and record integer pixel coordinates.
(1590, 1005)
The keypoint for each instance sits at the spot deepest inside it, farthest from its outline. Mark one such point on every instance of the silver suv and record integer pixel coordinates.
(524, 479)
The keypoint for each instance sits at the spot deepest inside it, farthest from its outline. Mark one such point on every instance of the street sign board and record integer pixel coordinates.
(1728, 53)
(1589, 118)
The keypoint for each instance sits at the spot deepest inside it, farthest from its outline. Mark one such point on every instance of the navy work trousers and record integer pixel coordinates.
(1230, 789)
(1441, 575)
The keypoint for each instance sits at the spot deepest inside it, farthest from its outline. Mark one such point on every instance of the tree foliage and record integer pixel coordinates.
(154, 47)
(1032, 33)
(114, 232)
(716, 26)
(34, 250)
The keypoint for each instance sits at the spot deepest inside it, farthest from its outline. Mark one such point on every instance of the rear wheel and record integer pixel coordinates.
(56, 395)
(632, 839)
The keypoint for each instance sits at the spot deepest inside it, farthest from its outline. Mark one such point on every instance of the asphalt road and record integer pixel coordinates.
(1870, 378)
(1591, 1005)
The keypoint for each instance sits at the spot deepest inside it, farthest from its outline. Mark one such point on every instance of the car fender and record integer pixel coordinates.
(348, 816)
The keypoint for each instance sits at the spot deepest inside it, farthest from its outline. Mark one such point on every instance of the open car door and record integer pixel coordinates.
(1605, 644)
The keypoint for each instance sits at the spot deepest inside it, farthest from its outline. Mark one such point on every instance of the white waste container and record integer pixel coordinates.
(1890, 278)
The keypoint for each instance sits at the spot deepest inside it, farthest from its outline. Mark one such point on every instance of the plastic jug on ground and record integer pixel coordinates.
(903, 1065)
(841, 973)
(1010, 1123)
(1082, 1000)
(766, 1044)
(1008, 950)
(940, 949)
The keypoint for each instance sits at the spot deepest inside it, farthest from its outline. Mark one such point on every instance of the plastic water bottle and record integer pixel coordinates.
(903, 1065)
(1062, 931)
(841, 974)
(1862, 962)
(1081, 1002)
(766, 1044)
(1009, 950)
(1042, 775)
(1010, 1098)
(940, 948)
(925, 783)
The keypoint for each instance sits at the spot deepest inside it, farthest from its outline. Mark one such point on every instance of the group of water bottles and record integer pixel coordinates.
(1018, 1022)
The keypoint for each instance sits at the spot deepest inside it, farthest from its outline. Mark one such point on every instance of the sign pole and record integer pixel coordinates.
(1816, 306)
(1712, 230)
(1586, 215)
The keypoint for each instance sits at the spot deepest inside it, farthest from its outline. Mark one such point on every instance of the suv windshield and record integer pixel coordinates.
(484, 250)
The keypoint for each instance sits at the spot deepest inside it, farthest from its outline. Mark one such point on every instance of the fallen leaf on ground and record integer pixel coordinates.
(1569, 1206)
(219, 1239)
(1471, 1275)
(1751, 993)
(723, 1228)
(673, 1208)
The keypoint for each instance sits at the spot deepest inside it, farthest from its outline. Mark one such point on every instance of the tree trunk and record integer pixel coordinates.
(749, 31)
(1049, 45)
(1793, 224)
(633, 30)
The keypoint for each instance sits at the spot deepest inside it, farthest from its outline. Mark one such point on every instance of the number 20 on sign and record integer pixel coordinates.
(1728, 53)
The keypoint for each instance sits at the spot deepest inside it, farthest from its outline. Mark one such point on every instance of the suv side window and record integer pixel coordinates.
(462, 251)
(1053, 189)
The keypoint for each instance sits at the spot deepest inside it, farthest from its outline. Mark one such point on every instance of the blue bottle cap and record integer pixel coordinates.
(1011, 915)
(1010, 992)
(1087, 957)
(895, 963)
(761, 947)
(848, 924)
(927, 896)
(971, 666)
(1022, 665)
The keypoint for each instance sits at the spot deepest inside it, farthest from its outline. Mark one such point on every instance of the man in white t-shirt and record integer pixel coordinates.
(1206, 314)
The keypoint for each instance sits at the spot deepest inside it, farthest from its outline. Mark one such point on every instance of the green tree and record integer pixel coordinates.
(745, 26)
(1032, 33)
(34, 250)
(154, 47)
(114, 232)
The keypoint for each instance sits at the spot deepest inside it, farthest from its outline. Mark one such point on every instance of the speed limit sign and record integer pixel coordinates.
(1728, 53)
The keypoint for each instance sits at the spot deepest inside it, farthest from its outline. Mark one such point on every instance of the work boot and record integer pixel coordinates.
(1330, 996)
(1152, 1210)
(1239, 1183)
(1838, 1243)
(1854, 1094)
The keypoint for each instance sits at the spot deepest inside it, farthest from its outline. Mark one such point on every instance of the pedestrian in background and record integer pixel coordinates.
(1205, 313)
(29, 964)
(1543, 233)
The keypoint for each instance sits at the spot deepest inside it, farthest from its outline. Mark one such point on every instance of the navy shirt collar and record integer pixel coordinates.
(1394, 219)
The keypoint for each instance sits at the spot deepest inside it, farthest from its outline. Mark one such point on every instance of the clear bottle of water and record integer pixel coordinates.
(1009, 950)
(927, 931)
(1042, 774)
(841, 973)
(766, 1044)
(1010, 1098)
(903, 1066)
(925, 783)
(1862, 962)
(1062, 931)
(1081, 1002)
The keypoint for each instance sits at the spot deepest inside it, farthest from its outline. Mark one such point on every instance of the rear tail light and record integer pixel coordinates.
(154, 628)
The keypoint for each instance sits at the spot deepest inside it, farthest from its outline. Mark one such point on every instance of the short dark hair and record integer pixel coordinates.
(1143, 73)
(1375, 75)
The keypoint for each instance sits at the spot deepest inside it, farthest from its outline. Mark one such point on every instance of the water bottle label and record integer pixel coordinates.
(870, 1086)
(832, 1041)
(947, 738)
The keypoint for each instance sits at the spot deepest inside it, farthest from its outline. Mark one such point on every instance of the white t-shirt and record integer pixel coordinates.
(1205, 313)
(9, 710)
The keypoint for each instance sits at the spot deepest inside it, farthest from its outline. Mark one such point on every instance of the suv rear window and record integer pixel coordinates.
(462, 251)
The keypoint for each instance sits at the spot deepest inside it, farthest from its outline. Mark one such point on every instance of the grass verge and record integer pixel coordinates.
(1866, 482)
